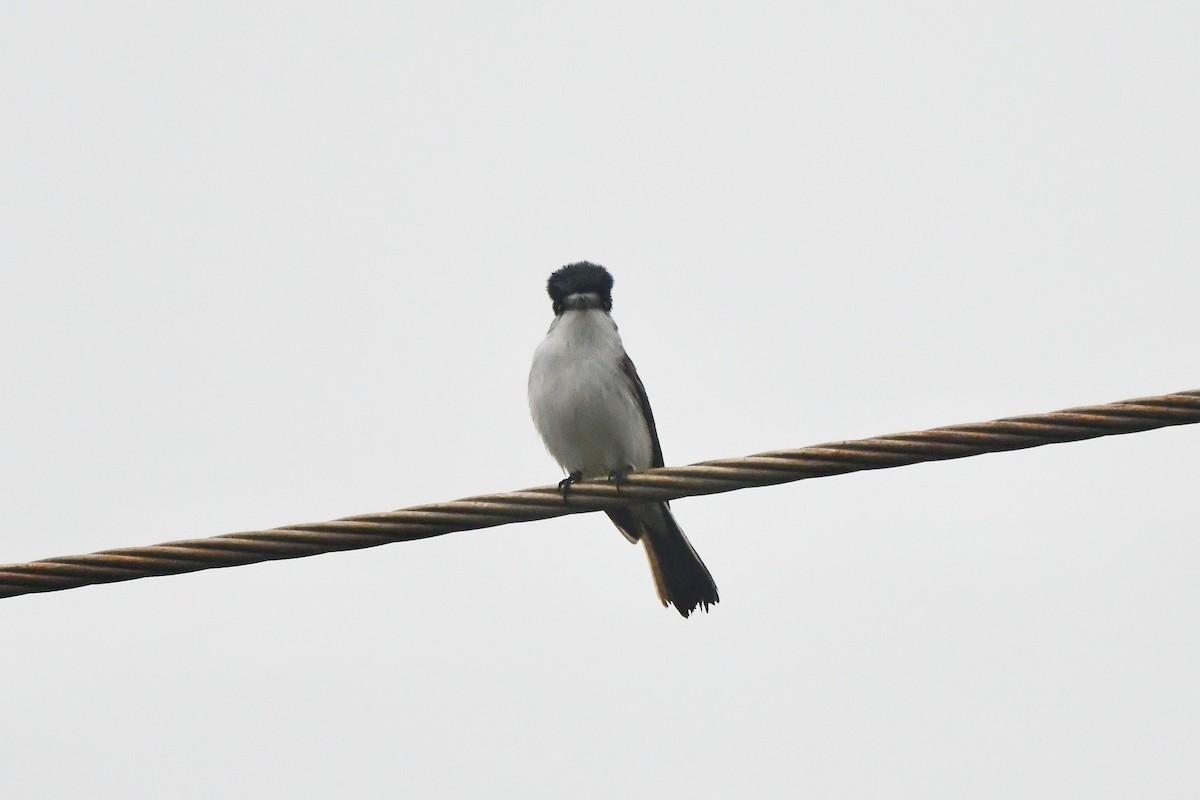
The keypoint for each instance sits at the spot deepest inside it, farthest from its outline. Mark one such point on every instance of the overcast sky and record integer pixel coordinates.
(267, 264)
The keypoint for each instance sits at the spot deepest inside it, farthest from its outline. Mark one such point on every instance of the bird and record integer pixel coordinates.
(591, 410)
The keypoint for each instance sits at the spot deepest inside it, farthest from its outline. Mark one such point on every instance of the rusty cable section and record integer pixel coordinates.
(669, 483)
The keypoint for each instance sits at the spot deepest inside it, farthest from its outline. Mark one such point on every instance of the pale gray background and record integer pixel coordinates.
(266, 264)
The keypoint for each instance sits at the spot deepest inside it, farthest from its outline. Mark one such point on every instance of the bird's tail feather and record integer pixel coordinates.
(679, 575)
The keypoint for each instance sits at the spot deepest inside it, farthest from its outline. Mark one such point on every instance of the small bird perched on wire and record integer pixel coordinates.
(591, 409)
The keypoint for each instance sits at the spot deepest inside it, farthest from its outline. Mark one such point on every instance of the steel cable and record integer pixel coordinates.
(668, 483)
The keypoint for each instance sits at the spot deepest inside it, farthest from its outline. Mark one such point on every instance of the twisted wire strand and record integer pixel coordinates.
(544, 502)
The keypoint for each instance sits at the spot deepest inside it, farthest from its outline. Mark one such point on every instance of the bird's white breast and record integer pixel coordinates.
(582, 403)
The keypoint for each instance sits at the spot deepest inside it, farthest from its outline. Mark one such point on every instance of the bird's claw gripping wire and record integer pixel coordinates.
(564, 485)
(619, 476)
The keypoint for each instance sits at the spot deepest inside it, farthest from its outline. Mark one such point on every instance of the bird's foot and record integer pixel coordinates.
(619, 476)
(564, 485)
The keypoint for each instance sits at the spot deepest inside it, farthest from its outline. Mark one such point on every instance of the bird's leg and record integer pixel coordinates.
(564, 485)
(619, 476)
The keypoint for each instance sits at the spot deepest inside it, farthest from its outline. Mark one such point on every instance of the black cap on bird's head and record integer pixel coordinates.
(583, 279)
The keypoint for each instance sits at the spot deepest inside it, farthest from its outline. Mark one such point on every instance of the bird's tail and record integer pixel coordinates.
(679, 574)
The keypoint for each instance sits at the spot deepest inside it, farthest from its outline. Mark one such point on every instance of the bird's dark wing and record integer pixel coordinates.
(624, 518)
(636, 384)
